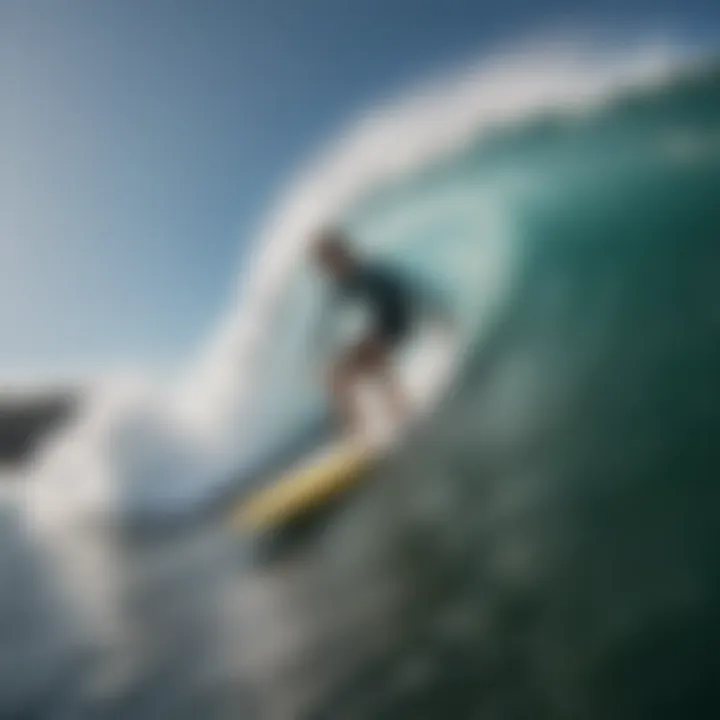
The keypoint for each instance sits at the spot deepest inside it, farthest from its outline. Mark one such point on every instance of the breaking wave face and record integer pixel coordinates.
(448, 180)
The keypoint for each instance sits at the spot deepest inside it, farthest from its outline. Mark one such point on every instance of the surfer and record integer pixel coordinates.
(393, 302)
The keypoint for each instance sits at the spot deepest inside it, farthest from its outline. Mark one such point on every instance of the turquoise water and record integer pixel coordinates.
(483, 223)
(551, 537)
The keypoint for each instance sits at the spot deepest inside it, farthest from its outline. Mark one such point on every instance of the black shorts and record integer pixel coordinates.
(392, 328)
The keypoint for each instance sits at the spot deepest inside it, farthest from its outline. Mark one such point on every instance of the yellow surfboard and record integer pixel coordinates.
(305, 487)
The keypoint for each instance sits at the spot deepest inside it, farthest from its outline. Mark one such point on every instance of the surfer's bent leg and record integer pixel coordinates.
(341, 386)
(369, 358)
(363, 359)
(393, 330)
(394, 394)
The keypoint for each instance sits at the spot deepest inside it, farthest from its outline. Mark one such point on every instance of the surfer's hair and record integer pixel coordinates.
(332, 240)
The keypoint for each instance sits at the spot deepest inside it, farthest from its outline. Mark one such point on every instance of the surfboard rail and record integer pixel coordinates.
(304, 488)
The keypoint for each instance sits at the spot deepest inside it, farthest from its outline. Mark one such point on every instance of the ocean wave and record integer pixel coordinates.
(173, 447)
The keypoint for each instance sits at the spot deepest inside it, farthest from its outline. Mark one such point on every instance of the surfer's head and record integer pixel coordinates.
(333, 252)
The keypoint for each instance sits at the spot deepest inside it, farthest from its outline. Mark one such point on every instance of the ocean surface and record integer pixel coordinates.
(545, 546)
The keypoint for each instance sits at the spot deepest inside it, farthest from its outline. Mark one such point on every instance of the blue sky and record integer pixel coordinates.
(142, 141)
